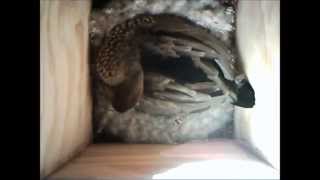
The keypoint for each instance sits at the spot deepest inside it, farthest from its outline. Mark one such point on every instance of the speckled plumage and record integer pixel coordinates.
(112, 61)
(119, 58)
(118, 62)
(169, 111)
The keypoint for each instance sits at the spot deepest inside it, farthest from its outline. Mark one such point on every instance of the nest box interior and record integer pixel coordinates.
(66, 148)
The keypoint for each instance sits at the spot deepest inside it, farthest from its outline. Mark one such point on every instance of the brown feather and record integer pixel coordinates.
(128, 93)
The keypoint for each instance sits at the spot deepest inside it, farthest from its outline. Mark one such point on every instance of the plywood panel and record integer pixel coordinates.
(65, 112)
(139, 161)
(258, 36)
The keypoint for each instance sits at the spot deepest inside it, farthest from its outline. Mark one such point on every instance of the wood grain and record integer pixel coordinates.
(65, 110)
(65, 102)
(115, 161)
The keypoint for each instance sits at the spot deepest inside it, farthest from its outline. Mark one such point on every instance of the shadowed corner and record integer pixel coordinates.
(245, 95)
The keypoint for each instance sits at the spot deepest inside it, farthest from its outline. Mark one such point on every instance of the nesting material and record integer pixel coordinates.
(185, 97)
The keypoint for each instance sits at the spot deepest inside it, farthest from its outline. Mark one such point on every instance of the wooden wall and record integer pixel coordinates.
(65, 93)
(65, 112)
(258, 36)
(214, 159)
